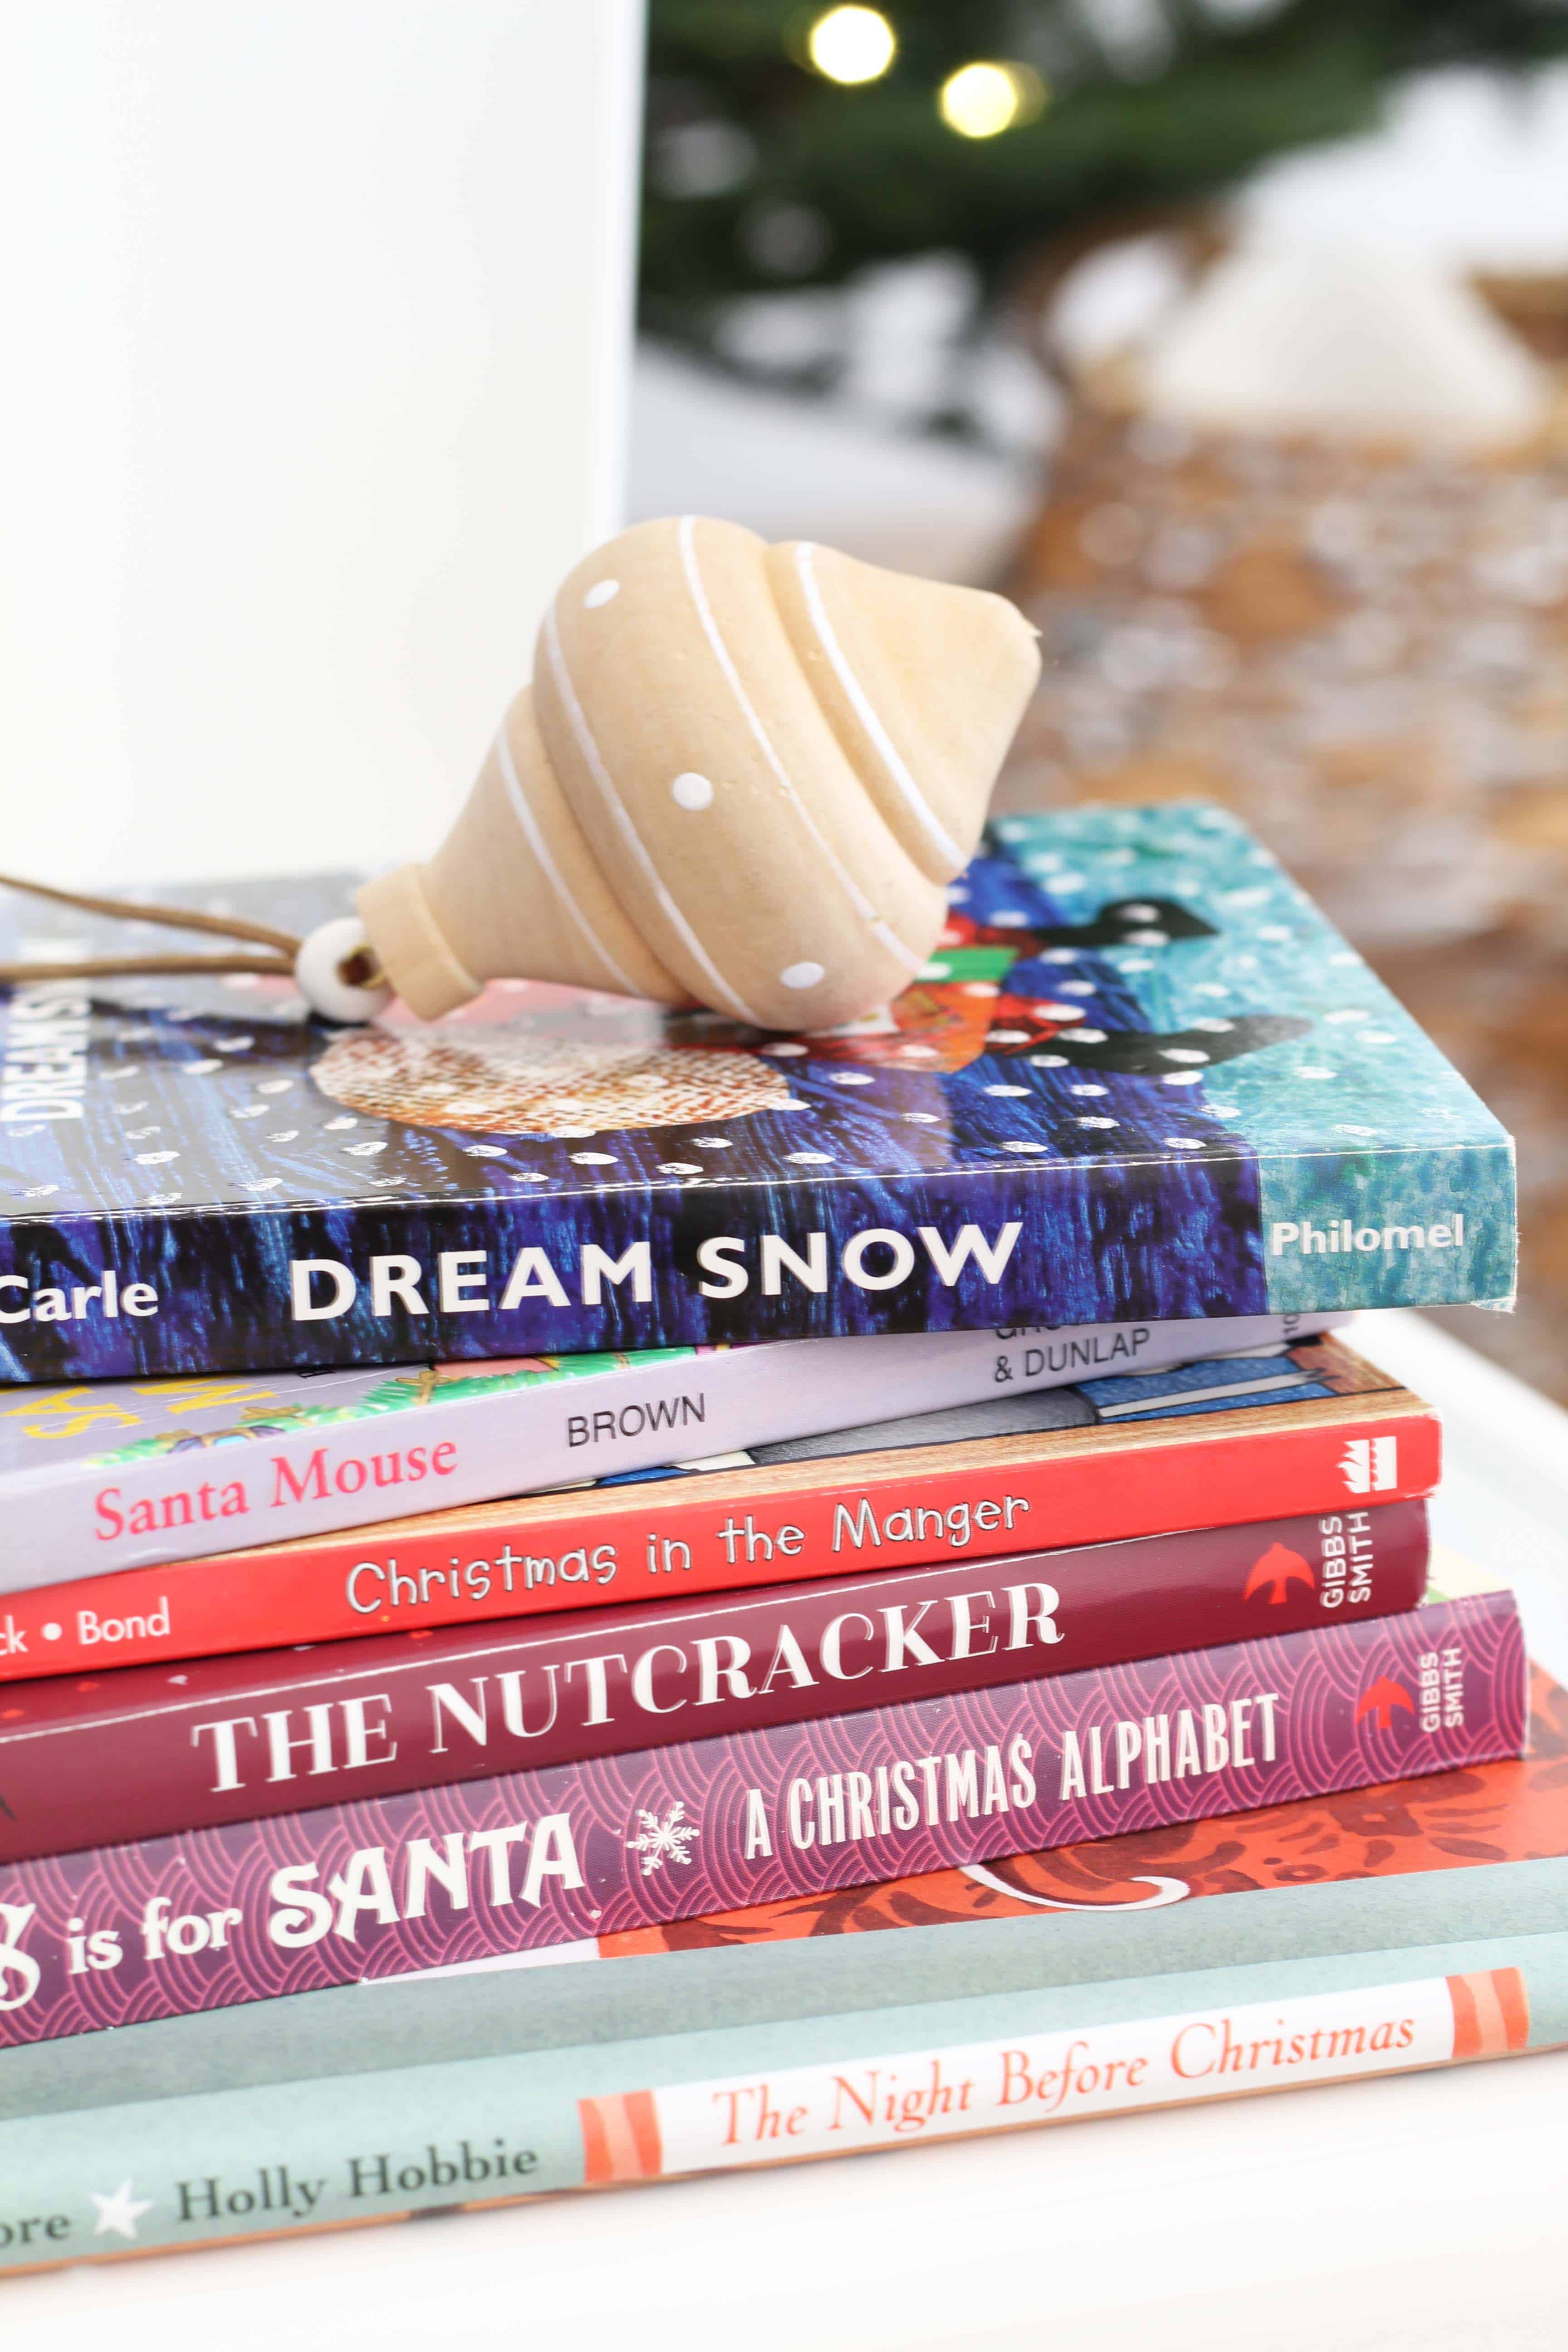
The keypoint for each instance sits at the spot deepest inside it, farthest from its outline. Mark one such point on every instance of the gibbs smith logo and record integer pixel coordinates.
(1370, 1466)
(1344, 1235)
(1275, 1572)
(1378, 1704)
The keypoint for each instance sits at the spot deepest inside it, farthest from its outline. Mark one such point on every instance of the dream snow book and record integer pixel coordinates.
(1142, 1078)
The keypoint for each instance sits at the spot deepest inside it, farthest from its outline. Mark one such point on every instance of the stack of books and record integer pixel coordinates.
(864, 1548)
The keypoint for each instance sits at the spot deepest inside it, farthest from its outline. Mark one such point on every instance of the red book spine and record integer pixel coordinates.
(722, 1533)
(528, 1861)
(136, 1754)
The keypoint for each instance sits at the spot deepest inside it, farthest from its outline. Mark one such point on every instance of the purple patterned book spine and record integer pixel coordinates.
(535, 1859)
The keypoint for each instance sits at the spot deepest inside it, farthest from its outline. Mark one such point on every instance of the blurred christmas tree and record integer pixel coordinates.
(764, 171)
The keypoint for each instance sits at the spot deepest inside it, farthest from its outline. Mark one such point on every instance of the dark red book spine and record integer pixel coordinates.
(142, 1751)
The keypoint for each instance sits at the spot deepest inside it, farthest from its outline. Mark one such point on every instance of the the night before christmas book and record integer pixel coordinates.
(1142, 1078)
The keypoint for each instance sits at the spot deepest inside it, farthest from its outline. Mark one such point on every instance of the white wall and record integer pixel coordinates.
(313, 345)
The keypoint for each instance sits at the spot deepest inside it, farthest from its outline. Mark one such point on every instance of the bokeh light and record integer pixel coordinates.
(990, 95)
(852, 45)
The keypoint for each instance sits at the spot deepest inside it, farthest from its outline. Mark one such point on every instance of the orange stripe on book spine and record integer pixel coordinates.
(1491, 2013)
(620, 2137)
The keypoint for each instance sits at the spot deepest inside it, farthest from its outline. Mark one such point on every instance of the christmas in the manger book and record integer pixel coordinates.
(1142, 1076)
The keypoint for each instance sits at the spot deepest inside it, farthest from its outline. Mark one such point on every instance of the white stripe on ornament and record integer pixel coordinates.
(919, 808)
(594, 762)
(536, 841)
(857, 898)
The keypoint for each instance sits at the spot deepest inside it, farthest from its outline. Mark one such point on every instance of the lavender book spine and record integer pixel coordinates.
(535, 1861)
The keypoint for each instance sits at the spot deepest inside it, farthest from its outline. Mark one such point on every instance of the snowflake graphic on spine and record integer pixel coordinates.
(659, 1842)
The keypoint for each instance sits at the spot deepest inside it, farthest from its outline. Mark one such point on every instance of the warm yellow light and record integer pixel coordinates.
(986, 98)
(852, 44)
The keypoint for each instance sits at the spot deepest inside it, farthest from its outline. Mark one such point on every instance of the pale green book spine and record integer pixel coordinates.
(318, 2150)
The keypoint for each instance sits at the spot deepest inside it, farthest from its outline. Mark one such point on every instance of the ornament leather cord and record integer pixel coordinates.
(279, 965)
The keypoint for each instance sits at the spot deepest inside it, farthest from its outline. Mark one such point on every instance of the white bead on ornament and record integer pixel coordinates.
(742, 777)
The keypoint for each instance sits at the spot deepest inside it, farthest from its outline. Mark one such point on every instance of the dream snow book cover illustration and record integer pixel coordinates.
(1142, 1078)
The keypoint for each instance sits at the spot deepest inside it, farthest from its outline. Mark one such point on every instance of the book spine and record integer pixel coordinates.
(130, 1756)
(96, 1517)
(532, 1860)
(220, 2167)
(238, 1289)
(708, 1536)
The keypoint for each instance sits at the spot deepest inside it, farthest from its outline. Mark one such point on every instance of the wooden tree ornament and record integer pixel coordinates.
(742, 777)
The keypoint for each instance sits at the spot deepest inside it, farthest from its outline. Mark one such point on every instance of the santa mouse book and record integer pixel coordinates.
(1142, 1078)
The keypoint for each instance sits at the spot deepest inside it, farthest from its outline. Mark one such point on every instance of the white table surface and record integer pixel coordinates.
(1425, 2211)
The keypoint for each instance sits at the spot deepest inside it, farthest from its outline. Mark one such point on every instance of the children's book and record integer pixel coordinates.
(1142, 1079)
(1415, 1923)
(1310, 1428)
(104, 1474)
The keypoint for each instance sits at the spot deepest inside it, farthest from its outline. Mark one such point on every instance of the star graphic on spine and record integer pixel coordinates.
(120, 2211)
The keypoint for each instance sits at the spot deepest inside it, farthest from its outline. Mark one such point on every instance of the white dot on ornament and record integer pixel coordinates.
(783, 1049)
(1375, 1037)
(191, 1069)
(851, 1078)
(1181, 1054)
(1317, 1073)
(690, 791)
(1183, 1078)
(334, 1125)
(485, 1150)
(1009, 919)
(281, 1134)
(363, 1150)
(1084, 1036)
(1048, 1060)
(1017, 1036)
(921, 1118)
(600, 593)
(712, 1142)
(1140, 913)
(1184, 1143)
(592, 1158)
(802, 975)
(678, 1168)
(1211, 1022)
(1088, 1090)
(981, 988)
(1023, 1147)
(1097, 1122)
(810, 1158)
(1006, 1090)
(789, 1102)
(1149, 939)
(154, 1158)
(274, 1086)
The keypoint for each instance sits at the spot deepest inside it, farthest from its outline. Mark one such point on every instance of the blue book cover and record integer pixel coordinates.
(1142, 1078)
